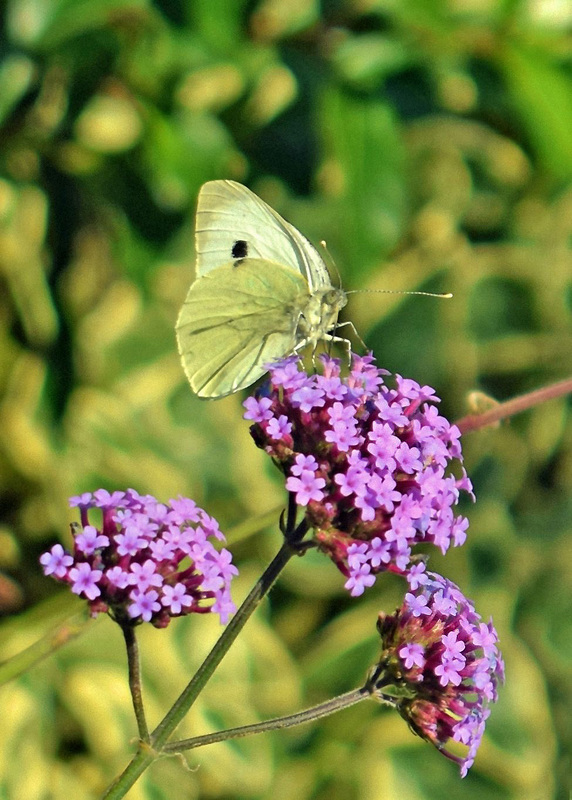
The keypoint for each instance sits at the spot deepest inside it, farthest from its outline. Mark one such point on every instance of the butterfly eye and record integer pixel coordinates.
(240, 249)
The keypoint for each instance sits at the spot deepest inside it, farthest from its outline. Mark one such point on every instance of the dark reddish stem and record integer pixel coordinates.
(473, 422)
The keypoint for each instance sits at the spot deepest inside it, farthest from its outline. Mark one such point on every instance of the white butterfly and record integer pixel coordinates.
(262, 292)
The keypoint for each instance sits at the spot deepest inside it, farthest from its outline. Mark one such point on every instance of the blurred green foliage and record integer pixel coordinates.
(429, 142)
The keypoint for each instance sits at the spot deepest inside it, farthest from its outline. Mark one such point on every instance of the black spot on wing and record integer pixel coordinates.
(239, 249)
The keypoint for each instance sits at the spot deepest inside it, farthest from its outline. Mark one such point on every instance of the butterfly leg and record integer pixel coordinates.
(331, 338)
(347, 344)
(356, 334)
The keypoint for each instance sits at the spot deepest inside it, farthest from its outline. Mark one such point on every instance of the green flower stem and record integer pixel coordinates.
(134, 667)
(309, 715)
(69, 629)
(146, 754)
(474, 421)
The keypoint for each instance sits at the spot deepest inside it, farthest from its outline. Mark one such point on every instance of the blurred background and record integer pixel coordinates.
(429, 142)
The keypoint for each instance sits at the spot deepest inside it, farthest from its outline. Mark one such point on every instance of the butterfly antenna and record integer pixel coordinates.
(331, 264)
(442, 295)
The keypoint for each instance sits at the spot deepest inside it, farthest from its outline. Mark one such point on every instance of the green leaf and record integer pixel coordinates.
(219, 23)
(16, 77)
(364, 152)
(367, 59)
(542, 96)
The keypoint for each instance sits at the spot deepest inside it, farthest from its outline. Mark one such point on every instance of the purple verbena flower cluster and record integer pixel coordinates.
(148, 562)
(368, 461)
(440, 666)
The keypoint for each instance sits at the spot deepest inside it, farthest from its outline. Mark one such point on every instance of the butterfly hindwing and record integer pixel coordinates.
(237, 318)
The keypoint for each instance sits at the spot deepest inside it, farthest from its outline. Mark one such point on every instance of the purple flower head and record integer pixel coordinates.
(147, 561)
(440, 667)
(368, 458)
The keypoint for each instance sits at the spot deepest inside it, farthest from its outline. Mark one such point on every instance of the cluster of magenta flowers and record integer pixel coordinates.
(377, 470)
(147, 561)
(440, 666)
(370, 461)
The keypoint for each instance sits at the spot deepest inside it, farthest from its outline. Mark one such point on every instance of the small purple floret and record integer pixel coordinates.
(84, 580)
(56, 561)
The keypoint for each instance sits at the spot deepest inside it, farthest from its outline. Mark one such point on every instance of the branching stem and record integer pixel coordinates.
(308, 715)
(473, 422)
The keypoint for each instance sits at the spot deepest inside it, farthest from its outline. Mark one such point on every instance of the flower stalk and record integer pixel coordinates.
(473, 422)
(236, 624)
(134, 669)
(146, 755)
(278, 723)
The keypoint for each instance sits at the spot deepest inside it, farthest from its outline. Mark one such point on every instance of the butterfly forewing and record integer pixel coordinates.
(228, 212)
(236, 319)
